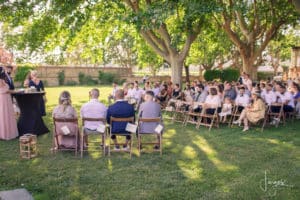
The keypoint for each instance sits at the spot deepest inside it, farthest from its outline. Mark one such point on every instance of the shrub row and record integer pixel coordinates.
(223, 75)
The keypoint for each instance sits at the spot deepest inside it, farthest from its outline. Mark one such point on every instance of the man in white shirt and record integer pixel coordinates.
(242, 100)
(130, 91)
(268, 95)
(137, 92)
(113, 93)
(247, 82)
(93, 109)
(286, 98)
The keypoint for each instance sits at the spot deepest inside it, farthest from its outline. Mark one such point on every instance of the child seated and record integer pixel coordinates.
(226, 109)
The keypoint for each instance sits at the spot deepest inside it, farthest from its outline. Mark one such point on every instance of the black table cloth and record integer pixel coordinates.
(30, 120)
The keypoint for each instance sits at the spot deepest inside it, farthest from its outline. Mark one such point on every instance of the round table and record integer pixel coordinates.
(30, 120)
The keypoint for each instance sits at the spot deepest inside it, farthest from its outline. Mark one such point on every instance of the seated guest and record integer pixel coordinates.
(176, 94)
(170, 89)
(285, 97)
(242, 100)
(229, 91)
(125, 88)
(130, 93)
(149, 109)
(252, 113)
(9, 80)
(163, 95)
(66, 111)
(188, 93)
(212, 101)
(137, 92)
(38, 84)
(226, 109)
(93, 109)
(247, 82)
(112, 95)
(120, 109)
(8, 124)
(268, 95)
(147, 86)
(296, 92)
(200, 94)
(156, 89)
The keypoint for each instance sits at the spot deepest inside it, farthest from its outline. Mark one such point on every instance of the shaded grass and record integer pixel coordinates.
(196, 164)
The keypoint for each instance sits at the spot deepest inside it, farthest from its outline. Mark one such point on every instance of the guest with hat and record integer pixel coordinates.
(252, 113)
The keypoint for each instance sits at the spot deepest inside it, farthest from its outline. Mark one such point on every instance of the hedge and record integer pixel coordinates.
(228, 74)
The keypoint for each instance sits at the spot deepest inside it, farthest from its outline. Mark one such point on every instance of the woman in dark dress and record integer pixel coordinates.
(38, 84)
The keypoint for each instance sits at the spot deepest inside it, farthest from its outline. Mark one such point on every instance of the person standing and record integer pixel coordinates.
(38, 84)
(8, 124)
(9, 81)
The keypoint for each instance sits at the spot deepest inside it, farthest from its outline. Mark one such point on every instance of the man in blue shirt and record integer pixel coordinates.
(120, 109)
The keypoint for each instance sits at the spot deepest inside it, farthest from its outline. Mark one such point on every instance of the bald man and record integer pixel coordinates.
(120, 109)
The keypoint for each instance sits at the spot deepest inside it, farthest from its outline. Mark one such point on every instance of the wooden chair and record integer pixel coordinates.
(208, 120)
(84, 136)
(280, 116)
(139, 134)
(170, 108)
(180, 111)
(236, 113)
(112, 120)
(290, 115)
(55, 144)
(191, 115)
(262, 122)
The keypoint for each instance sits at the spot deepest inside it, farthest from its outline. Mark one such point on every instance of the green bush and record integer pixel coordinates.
(22, 71)
(71, 83)
(210, 75)
(61, 77)
(86, 80)
(264, 75)
(230, 74)
(107, 78)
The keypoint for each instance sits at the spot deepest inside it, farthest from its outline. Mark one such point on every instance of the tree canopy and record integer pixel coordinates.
(177, 32)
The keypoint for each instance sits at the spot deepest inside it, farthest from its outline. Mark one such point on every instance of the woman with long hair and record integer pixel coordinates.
(8, 124)
(65, 110)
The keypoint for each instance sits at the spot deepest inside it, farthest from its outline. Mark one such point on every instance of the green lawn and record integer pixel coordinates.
(196, 164)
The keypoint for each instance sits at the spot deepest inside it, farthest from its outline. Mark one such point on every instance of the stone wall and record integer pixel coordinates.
(49, 74)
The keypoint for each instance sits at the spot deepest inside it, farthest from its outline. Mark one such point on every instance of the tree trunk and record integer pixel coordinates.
(249, 68)
(187, 73)
(200, 72)
(176, 66)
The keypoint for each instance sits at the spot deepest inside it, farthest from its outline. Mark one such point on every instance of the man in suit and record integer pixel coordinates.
(8, 79)
(120, 109)
(149, 109)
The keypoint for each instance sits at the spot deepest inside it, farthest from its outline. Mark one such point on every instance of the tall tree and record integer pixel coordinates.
(169, 27)
(251, 25)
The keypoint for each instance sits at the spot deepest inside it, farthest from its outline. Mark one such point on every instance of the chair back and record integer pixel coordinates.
(65, 121)
(87, 119)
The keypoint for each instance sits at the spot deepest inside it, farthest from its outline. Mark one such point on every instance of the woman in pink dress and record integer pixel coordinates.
(66, 111)
(8, 124)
